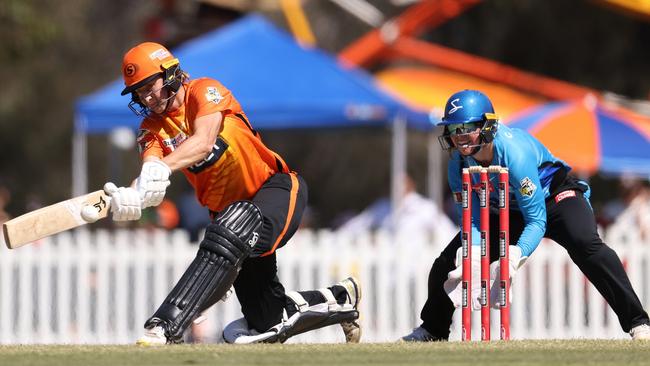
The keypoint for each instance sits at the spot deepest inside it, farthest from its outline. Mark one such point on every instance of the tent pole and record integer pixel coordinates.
(398, 160)
(79, 158)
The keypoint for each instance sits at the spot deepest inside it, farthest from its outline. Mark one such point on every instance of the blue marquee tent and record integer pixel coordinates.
(280, 85)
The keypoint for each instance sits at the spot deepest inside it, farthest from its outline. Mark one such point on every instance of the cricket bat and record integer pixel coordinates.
(56, 218)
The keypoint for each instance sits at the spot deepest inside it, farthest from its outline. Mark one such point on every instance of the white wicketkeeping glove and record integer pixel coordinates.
(516, 261)
(126, 203)
(454, 286)
(152, 182)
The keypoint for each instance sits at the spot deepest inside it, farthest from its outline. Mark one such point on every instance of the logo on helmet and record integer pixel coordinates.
(159, 54)
(454, 106)
(130, 69)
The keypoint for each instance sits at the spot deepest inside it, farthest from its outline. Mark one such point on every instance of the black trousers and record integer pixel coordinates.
(570, 223)
(282, 200)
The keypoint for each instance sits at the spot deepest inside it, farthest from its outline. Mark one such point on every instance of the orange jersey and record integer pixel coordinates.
(239, 163)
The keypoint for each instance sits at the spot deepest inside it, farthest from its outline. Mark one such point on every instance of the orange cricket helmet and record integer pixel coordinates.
(145, 62)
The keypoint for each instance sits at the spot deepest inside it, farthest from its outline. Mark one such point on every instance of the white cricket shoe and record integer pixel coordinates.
(641, 332)
(352, 329)
(153, 337)
(238, 332)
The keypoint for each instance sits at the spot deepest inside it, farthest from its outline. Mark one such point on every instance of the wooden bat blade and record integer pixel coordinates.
(52, 219)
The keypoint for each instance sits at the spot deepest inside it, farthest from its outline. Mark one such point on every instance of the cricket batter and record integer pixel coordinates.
(545, 202)
(256, 201)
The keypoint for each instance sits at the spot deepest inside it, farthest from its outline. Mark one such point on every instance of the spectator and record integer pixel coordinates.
(415, 214)
(636, 213)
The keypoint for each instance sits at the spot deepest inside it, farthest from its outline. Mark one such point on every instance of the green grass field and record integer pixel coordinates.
(574, 352)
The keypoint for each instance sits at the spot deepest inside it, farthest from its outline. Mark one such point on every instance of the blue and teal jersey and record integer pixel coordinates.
(531, 167)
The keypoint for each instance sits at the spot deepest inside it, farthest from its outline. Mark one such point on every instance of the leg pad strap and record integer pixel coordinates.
(307, 318)
(227, 243)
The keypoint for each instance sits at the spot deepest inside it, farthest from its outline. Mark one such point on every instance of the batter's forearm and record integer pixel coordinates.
(190, 152)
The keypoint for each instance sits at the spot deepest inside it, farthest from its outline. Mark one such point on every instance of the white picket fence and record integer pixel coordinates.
(100, 287)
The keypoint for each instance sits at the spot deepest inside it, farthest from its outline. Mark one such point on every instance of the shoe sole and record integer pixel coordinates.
(641, 337)
(352, 329)
(145, 343)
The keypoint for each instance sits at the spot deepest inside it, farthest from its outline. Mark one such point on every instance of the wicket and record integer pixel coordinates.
(466, 239)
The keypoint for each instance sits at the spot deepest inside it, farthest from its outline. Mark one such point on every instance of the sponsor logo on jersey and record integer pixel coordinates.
(566, 194)
(141, 134)
(527, 187)
(144, 139)
(213, 95)
(175, 141)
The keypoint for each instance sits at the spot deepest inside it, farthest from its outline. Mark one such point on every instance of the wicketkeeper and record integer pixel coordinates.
(198, 127)
(545, 202)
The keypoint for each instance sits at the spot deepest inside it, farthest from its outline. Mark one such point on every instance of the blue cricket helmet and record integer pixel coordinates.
(466, 106)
